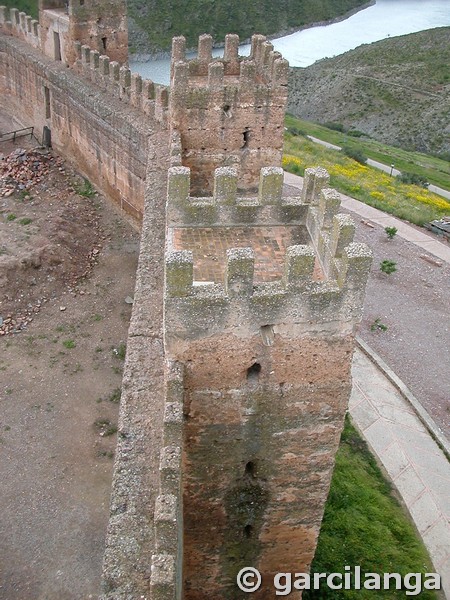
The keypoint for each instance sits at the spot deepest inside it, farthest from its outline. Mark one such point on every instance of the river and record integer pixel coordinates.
(387, 18)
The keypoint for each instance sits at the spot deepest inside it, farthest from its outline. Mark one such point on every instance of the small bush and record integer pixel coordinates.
(377, 325)
(414, 179)
(388, 266)
(296, 131)
(120, 351)
(355, 154)
(11, 217)
(69, 344)
(85, 189)
(391, 232)
(356, 133)
(334, 126)
(25, 221)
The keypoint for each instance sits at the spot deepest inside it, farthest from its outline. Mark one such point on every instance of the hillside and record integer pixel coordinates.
(396, 90)
(153, 23)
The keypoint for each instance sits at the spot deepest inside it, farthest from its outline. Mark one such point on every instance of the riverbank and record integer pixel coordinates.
(142, 57)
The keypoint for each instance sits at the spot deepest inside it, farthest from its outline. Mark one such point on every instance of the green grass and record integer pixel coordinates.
(85, 189)
(435, 170)
(30, 7)
(365, 525)
(69, 344)
(367, 184)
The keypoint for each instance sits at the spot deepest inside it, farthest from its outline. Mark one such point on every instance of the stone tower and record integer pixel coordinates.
(263, 291)
(228, 111)
(264, 332)
(100, 25)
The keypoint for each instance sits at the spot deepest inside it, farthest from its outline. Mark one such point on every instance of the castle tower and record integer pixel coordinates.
(263, 334)
(228, 111)
(100, 25)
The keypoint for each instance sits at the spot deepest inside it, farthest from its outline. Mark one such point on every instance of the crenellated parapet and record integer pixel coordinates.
(226, 206)
(299, 297)
(129, 87)
(166, 565)
(20, 25)
(229, 111)
(264, 66)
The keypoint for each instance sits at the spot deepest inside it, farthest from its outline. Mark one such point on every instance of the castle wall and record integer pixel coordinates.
(102, 134)
(234, 392)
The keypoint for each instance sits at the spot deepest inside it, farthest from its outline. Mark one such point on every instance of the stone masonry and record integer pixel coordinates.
(247, 298)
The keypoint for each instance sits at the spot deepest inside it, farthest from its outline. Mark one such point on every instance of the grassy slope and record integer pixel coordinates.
(28, 6)
(396, 90)
(364, 525)
(162, 20)
(435, 170)
(367, 184)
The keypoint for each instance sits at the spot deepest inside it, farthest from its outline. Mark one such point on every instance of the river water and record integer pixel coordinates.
(387, 18)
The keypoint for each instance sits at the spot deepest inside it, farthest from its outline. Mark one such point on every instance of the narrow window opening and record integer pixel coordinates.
(104, 39)
(248, 530)
(57, 45)
(81, 2)
(250, 469)
(246, 136)
(47, 102)
(227, 110)
(253, 372)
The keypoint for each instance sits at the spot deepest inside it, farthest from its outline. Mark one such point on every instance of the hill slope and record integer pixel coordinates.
(396, 90)
(153, 23)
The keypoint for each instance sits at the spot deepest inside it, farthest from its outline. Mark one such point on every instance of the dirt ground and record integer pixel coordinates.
(67, 264)
(413, 304)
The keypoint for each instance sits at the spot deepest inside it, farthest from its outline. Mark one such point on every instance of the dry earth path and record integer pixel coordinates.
(67, 264)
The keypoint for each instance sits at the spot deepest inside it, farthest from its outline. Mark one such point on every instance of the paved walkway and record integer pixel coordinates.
(412, 459)
(394, 424)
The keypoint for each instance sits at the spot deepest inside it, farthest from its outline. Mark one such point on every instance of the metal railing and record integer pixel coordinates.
(13, 135)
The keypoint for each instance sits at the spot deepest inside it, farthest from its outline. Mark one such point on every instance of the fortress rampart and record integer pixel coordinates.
(103, 117)
(247, 298)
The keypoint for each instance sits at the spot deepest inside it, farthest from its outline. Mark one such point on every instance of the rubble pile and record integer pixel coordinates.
(22, 169)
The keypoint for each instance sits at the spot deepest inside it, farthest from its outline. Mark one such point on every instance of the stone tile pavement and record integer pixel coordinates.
(209, 246)
(412, 459)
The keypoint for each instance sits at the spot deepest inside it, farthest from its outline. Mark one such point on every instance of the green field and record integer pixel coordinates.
(27, 6)
(367, 184)
(365, 525)
(435, 170)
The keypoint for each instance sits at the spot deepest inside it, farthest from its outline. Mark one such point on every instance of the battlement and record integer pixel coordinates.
(166, 566)
(110, 76)
(226, 206)
(228, 111)
(263, 66)
(299, 296)
(20, 25)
